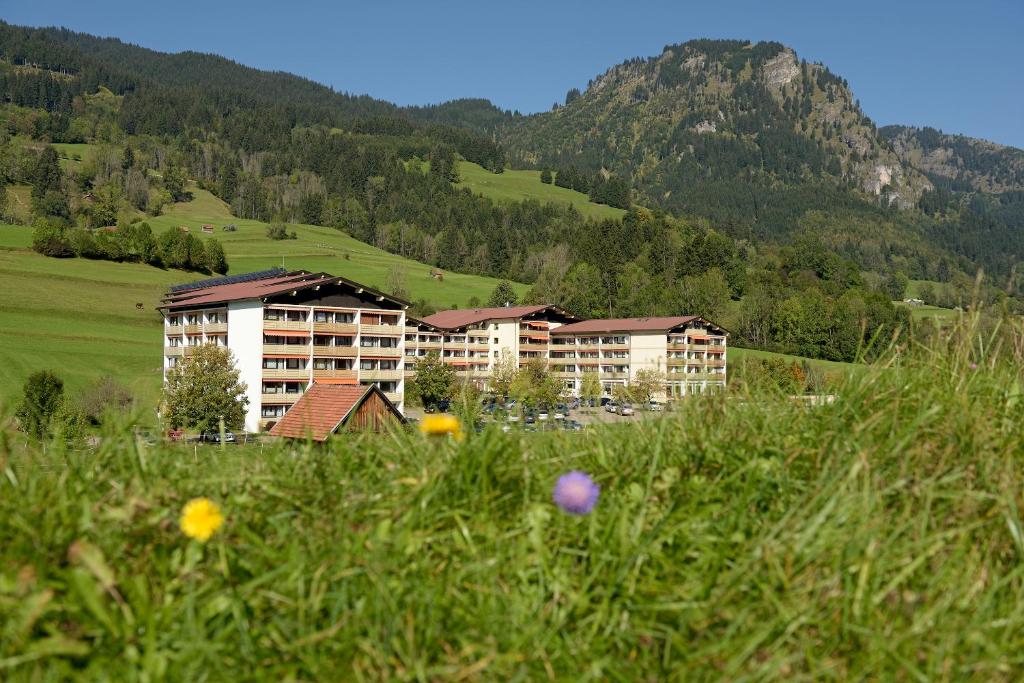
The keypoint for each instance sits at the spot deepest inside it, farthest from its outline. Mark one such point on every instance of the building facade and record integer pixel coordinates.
(287, 330)
(689, 351)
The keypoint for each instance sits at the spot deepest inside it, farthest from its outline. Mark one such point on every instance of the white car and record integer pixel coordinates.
(655, 406)
(611, 407)
(626, 410)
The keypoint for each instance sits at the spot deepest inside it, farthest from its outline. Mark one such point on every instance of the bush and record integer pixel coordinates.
(51, 239)
(279, 231)
(42, 397)
(106, 394)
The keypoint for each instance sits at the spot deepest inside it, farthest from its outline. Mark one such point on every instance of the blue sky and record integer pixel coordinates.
(957, 66)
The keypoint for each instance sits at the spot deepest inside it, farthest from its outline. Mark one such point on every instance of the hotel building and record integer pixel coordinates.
(287, 330)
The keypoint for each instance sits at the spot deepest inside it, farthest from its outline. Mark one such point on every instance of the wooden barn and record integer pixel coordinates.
(326, 408)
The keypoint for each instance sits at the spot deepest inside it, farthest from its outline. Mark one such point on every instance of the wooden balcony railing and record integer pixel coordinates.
(279, 398)
(173, 330)
(335, 328)
(174, 350)
(380, 352)
(193, 329)
(384, 330)
(334, 374)
(215, 328)
(380, 375)
(286, 325)
(290, 349)
(286, 373)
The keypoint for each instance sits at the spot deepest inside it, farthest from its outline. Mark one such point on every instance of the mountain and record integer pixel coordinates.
(708, 122)
(958, 162)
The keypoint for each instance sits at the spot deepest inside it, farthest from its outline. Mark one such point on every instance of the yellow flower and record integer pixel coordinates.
(200, 519)
(441, 425)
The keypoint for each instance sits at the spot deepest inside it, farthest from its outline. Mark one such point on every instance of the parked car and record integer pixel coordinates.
(626, 410)
(572, 425)
(605, 400)
(543, 414)
(655, 406)
(214, 437)
(611, 407)
(573, 404)
(561, 411)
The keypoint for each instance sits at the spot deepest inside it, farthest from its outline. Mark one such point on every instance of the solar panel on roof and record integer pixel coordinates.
(228, 280)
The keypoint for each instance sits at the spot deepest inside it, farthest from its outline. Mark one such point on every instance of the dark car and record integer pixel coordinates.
(214, 437)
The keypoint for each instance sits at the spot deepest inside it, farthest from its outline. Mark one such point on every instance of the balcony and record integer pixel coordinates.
(386, 330)
(334, 374)
(174, 350)
(428, 345)
(479, 347)
(716, 363)
(715, 348)
(409, 374)
(193, 329)
(292, 325)
(216, 328)
(279, 399)
(286, 349)
(615, 347)
(675, 361)
(379, 352)
(393, 396)
(380, 375)
(335, 328)
(533, 346)
(285, 373)
(614, 375)
(478, 333)
(334, 351)
(562, 374)
(173, 330)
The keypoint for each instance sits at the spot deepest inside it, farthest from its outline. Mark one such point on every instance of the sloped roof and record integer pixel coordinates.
(323, 409)
(450, 320)
(656, 324)
(254, 289)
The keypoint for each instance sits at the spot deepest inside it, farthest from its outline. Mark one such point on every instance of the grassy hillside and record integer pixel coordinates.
(515, 186)
(875, 538)
(78, 317)
(738, 355)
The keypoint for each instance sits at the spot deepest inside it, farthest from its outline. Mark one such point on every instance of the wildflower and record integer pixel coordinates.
(576, 493)
(974, 366)
(200, 519)
(441, 425)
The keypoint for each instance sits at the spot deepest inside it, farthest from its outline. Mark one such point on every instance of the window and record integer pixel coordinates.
(322, 364)
(272, 314)
(192, 319)
(213, 317)
(323, 317)
(172, 361)
(272, 411)
(495, 340)
(296, 316)
(173, 321)
(367, 365)
(173, 341)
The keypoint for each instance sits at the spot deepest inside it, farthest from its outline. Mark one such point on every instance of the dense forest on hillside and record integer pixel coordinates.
(280, 148)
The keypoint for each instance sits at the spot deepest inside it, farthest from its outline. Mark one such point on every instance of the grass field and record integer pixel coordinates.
(738, 355)
(879, 537)
(515, 186)
(78, 317)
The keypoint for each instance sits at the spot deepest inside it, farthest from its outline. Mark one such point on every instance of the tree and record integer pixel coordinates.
(216, 261)
(279, 231)
(534, 385)
(174, 182)
(504, 376)
(545, 176)
(645, 384)
(705, 295)
(434, 381)
(204, 388)
(895, 285)
(503, 294)
(45, 174)
(395, 285)
(590, 388)
(106, 394)
(926, 293)
(42, 397)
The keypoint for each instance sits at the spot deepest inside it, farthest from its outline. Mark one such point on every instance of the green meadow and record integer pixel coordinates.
(747, 538)
(516, 186)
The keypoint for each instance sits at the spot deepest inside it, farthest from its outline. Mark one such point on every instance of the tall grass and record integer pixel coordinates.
(875, 537)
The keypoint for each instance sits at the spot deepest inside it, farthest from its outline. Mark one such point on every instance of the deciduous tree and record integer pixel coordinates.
(204, 388)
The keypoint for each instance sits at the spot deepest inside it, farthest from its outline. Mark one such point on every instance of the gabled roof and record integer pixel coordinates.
(324, 408)
(270, 285)
(450, 320)
(600, 325)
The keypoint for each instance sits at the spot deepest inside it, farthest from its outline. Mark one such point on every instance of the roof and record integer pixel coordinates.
(323, 409)
(450, 320)
(273, 283)
(657, 324)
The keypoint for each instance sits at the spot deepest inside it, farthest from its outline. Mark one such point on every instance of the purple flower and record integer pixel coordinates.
(974, 366)
(576, 493)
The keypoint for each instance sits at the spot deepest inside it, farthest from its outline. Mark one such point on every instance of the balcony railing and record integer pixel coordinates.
(334, 374)
(393, 396)
(289, 349)
(215, 328)
(716, 363)
(291, 325)
(386, 330)
(714, 348)
(279, 398)
(380, 375)
(380, 351)
(335, 328)
(285, 373)
(193, 329)
(478, 333)
(334, 351)
(173, 330)
(533, 346)
(428, 345)
(614, 375)
(174, 350)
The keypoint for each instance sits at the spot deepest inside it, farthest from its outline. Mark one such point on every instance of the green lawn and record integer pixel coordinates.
(515, 186)
(321, 249)
(738, 355)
